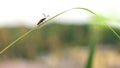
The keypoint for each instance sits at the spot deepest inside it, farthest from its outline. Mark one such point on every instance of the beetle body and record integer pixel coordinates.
(41, 20)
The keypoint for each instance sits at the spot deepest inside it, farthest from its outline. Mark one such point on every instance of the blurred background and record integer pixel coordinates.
(65, 41)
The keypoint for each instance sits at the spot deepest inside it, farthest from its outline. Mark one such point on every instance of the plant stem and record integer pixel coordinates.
(40, 25)
(19, 38)
(93, 44)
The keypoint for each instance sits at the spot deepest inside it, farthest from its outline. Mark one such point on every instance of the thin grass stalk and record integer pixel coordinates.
(39, 26)
(92, 46)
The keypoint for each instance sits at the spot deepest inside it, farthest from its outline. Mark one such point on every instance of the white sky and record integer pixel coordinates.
(29, 12)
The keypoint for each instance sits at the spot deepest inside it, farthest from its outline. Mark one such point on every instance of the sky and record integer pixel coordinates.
(29, 12)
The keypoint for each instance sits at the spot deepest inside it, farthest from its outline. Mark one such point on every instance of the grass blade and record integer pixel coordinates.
(40, 25)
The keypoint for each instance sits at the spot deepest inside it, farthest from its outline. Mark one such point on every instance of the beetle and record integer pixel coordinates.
(43, 19)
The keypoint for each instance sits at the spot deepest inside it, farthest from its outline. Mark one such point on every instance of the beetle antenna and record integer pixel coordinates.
(44, 15)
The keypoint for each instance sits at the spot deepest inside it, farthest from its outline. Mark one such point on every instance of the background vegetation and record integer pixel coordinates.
(52, 38)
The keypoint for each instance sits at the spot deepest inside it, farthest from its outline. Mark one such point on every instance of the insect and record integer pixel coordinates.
(43, 19)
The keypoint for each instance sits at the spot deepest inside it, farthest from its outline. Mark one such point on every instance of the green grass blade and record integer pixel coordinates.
(93, 44)
(40, 25)
(19, 38)
(118, 36)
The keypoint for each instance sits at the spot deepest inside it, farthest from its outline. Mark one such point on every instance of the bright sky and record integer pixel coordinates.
(29, 12)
